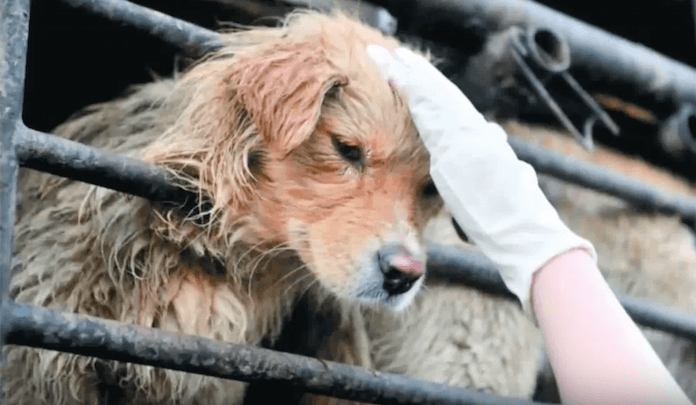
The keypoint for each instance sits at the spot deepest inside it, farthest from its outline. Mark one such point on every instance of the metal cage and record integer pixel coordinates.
(46, 328)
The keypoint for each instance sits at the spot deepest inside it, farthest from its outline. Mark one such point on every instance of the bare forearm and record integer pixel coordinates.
(599, 356)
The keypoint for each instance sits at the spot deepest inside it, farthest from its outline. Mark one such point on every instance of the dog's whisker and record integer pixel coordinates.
(309, 286)
(295, 283)
(291, 273)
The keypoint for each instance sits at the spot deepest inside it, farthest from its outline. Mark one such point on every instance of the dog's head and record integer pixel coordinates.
(297, 140)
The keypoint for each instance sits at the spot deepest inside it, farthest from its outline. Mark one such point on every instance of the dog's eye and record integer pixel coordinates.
(429, 189)
(351, 153)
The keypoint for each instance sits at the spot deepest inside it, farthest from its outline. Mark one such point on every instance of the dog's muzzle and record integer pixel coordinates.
(400, 269)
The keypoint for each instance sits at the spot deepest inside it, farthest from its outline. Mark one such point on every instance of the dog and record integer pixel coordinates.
(312, 182)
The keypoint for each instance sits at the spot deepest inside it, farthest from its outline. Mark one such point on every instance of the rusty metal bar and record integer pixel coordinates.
(46, 328)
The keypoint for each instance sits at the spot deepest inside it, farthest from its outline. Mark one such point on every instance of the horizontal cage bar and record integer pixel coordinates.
(66, 158)
(196, 40)
(71, 159)
(480, 272)
(46, 328)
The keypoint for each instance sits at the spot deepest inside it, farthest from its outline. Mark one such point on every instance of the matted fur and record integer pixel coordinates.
(250, 130)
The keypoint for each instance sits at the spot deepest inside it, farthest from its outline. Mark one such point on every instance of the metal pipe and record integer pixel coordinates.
(608, 59)
(547, 49)
(658, 317)
(477, 271)
(65, 158)
(588, 175)
(196, 40)
(71, 159)
(459, 266)
(518, 58)
(677, 135)
(14, 33)
(88, 336)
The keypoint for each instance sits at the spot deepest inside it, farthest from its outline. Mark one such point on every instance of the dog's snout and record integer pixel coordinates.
(400, 269)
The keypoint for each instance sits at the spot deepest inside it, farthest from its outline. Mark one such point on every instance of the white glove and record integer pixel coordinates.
(494, 196)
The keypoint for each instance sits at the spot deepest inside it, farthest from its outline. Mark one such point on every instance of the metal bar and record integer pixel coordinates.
(377, 17)
(549, 101)
(195, 40)
(14, 35)
(66, 158)
(658, 317)
(588, 175)
(71, 159)
(459, 266)
(608, 59)
(479, 272)
(46, 328)
(591, 103)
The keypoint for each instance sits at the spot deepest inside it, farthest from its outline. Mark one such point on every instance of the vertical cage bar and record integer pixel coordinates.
(14, 34)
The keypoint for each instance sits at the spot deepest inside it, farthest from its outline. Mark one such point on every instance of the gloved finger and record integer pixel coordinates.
(413, 60)
(385, 61)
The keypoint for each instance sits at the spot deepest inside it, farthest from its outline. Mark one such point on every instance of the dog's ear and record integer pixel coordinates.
(283, 90)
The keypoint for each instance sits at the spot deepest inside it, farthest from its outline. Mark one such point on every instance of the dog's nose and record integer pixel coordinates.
(401, 270)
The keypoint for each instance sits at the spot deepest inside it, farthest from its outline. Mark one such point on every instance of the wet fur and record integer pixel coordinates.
(250, 130)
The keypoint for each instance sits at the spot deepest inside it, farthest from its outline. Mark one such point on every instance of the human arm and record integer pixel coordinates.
(598, 354)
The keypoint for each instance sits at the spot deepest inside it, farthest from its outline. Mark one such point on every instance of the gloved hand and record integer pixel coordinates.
(494, 196)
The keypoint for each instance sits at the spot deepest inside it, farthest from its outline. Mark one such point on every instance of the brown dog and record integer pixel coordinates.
(317, 184)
